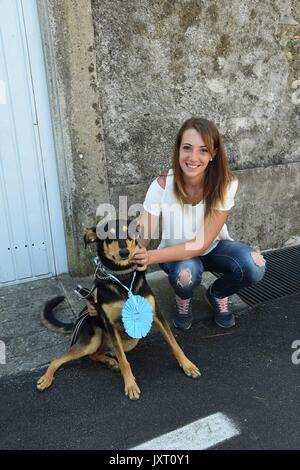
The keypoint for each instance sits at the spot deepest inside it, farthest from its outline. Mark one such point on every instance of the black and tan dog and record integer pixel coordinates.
(104, 334)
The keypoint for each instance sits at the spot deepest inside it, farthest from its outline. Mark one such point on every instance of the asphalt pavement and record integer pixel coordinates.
(250, 375)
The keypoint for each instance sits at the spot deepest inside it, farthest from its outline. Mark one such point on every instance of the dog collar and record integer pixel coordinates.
(102, 272)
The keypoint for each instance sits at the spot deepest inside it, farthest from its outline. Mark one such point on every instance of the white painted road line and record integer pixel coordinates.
(199, 435)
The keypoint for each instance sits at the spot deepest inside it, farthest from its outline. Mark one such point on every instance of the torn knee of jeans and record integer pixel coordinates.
(185, 277)
(258, 258)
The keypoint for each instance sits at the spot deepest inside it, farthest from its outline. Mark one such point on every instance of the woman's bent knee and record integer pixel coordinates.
(254, 271)
(185, 277)
(258, 258)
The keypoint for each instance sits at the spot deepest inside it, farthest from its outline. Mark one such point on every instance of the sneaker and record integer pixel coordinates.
(183, 317)
(222, 315)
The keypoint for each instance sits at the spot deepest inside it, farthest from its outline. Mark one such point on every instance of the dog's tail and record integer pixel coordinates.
(49, 319)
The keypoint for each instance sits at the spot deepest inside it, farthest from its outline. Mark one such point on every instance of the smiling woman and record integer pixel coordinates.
(194, 199)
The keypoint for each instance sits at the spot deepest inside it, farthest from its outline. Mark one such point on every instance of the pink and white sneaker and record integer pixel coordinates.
(222, 314)
(183, 317)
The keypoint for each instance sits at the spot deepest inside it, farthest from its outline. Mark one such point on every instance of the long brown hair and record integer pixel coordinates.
(217, 174)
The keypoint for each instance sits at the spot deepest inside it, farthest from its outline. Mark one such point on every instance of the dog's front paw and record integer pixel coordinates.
(132, 391)
(44, 382)
(190, 369)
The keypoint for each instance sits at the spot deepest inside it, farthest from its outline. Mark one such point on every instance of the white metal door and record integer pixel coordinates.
(32, 243)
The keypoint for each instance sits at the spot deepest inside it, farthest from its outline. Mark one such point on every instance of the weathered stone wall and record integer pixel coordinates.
(236, 63)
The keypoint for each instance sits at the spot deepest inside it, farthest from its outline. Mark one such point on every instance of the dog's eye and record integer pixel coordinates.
(124, 228)
(112, 231)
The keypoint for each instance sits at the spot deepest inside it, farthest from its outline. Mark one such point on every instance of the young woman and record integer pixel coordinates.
(194, 199)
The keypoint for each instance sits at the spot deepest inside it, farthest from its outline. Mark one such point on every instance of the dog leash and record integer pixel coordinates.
(136, 311)
(82, 316)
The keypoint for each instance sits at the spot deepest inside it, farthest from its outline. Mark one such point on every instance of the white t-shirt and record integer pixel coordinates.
(183, 223)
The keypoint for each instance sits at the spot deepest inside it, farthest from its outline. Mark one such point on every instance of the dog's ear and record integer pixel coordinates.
(90, 236)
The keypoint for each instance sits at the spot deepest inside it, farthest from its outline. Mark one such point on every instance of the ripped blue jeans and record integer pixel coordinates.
(238, 263)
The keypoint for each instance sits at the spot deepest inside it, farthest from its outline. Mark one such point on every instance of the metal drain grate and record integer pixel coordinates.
(282, 277)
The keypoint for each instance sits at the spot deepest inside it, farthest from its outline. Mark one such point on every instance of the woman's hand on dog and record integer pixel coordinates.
(141, 258)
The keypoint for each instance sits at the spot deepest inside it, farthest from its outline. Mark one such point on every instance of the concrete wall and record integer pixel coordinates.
(128, 73)
(267, 206)
(237, 63)
(68, 39)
